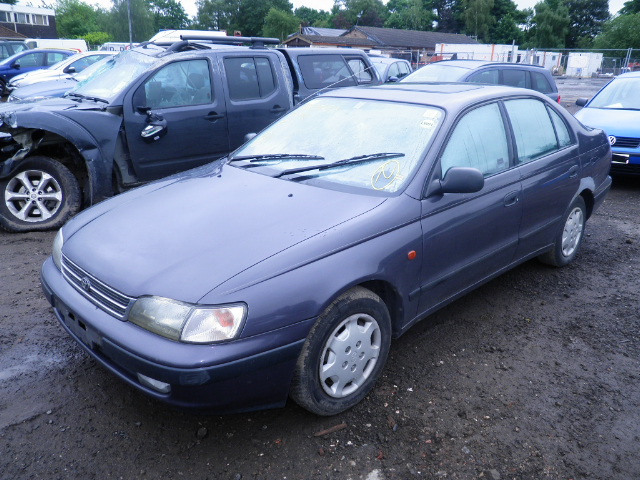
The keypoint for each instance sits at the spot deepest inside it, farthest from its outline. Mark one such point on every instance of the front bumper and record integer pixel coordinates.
(625, 162)
(246, 374)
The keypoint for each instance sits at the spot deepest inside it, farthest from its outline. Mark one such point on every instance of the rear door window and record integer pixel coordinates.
(491, 76)
(514, 77)
(540, 83)
(249, 78)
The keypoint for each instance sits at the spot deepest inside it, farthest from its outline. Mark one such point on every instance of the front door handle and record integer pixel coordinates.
(277, 109)
(214, 116)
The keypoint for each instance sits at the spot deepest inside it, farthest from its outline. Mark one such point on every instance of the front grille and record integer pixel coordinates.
(100, 294)
(627, 142)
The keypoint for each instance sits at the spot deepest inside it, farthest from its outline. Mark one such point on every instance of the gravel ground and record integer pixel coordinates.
(533, 376)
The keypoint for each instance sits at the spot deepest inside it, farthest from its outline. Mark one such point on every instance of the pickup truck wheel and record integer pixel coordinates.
(41, 195)
(344, 353)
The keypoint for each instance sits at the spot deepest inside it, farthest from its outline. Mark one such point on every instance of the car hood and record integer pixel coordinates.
(183, 237)
(48, 88)
(618, 122)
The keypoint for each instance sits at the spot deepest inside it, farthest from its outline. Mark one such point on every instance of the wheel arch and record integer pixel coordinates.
(391, 298)
(70, 144)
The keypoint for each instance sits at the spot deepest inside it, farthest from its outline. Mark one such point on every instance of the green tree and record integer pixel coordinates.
(311, 17)
(75, 19)
(409, 15)
(168, 14)
(280, 24)
(506, 30)
(252, 13)
(218, 15)
(367, 13)
(587, 18)
(478, 18)
(94, 39)
(448, 15)
(142, 21)
(9, 2)
(630, 7)
(550, 25)
(621, 32)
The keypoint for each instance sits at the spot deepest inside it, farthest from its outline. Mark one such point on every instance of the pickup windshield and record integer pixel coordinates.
(113, 76)
(372, 146)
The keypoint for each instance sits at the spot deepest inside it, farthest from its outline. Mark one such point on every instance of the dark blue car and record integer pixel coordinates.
(286, 269)
(29, 60)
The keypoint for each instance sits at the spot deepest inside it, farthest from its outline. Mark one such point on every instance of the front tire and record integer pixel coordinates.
(569, 239)
(344, 353)
(41, 195)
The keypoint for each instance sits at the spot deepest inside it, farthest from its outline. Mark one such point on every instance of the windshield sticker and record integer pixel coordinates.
(428, 123)
(385, 175)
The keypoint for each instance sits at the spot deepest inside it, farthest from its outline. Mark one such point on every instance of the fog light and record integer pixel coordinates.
(157, 385)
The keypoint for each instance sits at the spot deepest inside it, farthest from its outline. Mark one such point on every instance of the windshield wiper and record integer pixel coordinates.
(86, 97)
(347, 161)
(275, 156)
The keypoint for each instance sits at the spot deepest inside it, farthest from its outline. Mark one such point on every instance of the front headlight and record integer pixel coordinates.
(188, 323)
(56, 253)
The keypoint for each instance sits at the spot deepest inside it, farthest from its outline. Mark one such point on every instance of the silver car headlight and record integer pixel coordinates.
(188, 323)
(56, 254)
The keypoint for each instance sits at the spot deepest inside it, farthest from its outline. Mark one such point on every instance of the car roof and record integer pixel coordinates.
(449, 96)
(473, 64)
(628, 75)
(386, 60)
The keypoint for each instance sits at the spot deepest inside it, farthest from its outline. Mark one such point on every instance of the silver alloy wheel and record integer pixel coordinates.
(33, 196)
(572, 232)
(350, 355)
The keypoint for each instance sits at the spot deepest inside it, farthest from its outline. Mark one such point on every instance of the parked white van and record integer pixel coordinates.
(75, 43)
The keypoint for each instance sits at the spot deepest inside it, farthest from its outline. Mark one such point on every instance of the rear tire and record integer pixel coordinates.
(344, 353)
(569, 239)
(41, 195)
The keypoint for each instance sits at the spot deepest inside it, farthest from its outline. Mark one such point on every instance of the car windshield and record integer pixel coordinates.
(91, 69)
(380, 143)
(114, 75)
(621, 94)
(437, 73)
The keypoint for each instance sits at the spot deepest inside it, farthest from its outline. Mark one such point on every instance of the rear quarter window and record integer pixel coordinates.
(540, 83)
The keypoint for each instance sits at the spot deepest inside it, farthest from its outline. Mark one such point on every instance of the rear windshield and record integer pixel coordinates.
(437, 73)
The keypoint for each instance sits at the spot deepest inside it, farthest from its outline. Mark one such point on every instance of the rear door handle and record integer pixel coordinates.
(214, 116)
(511, 198)
(573, 171)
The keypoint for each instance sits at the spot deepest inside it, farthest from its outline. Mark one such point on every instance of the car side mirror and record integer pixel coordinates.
(16, 65)
(392, 79)
(462, 180)
(70, 69)
(581, 102)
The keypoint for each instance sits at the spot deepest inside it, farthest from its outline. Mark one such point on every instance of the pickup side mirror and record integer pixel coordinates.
(581, 102)
(462, 180)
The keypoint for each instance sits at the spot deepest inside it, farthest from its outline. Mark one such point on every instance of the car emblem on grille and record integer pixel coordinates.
(612, 140)
(85, 283)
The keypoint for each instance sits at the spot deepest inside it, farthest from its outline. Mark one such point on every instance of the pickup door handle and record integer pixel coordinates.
(573, 171)
(511, 199)
(213, 116)
(277, 109)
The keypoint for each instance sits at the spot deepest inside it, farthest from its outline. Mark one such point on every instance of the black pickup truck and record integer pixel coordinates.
(150, 112)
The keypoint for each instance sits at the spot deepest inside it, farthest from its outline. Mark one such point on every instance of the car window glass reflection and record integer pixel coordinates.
(179, 84)
(535, 135)
(478, 141)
